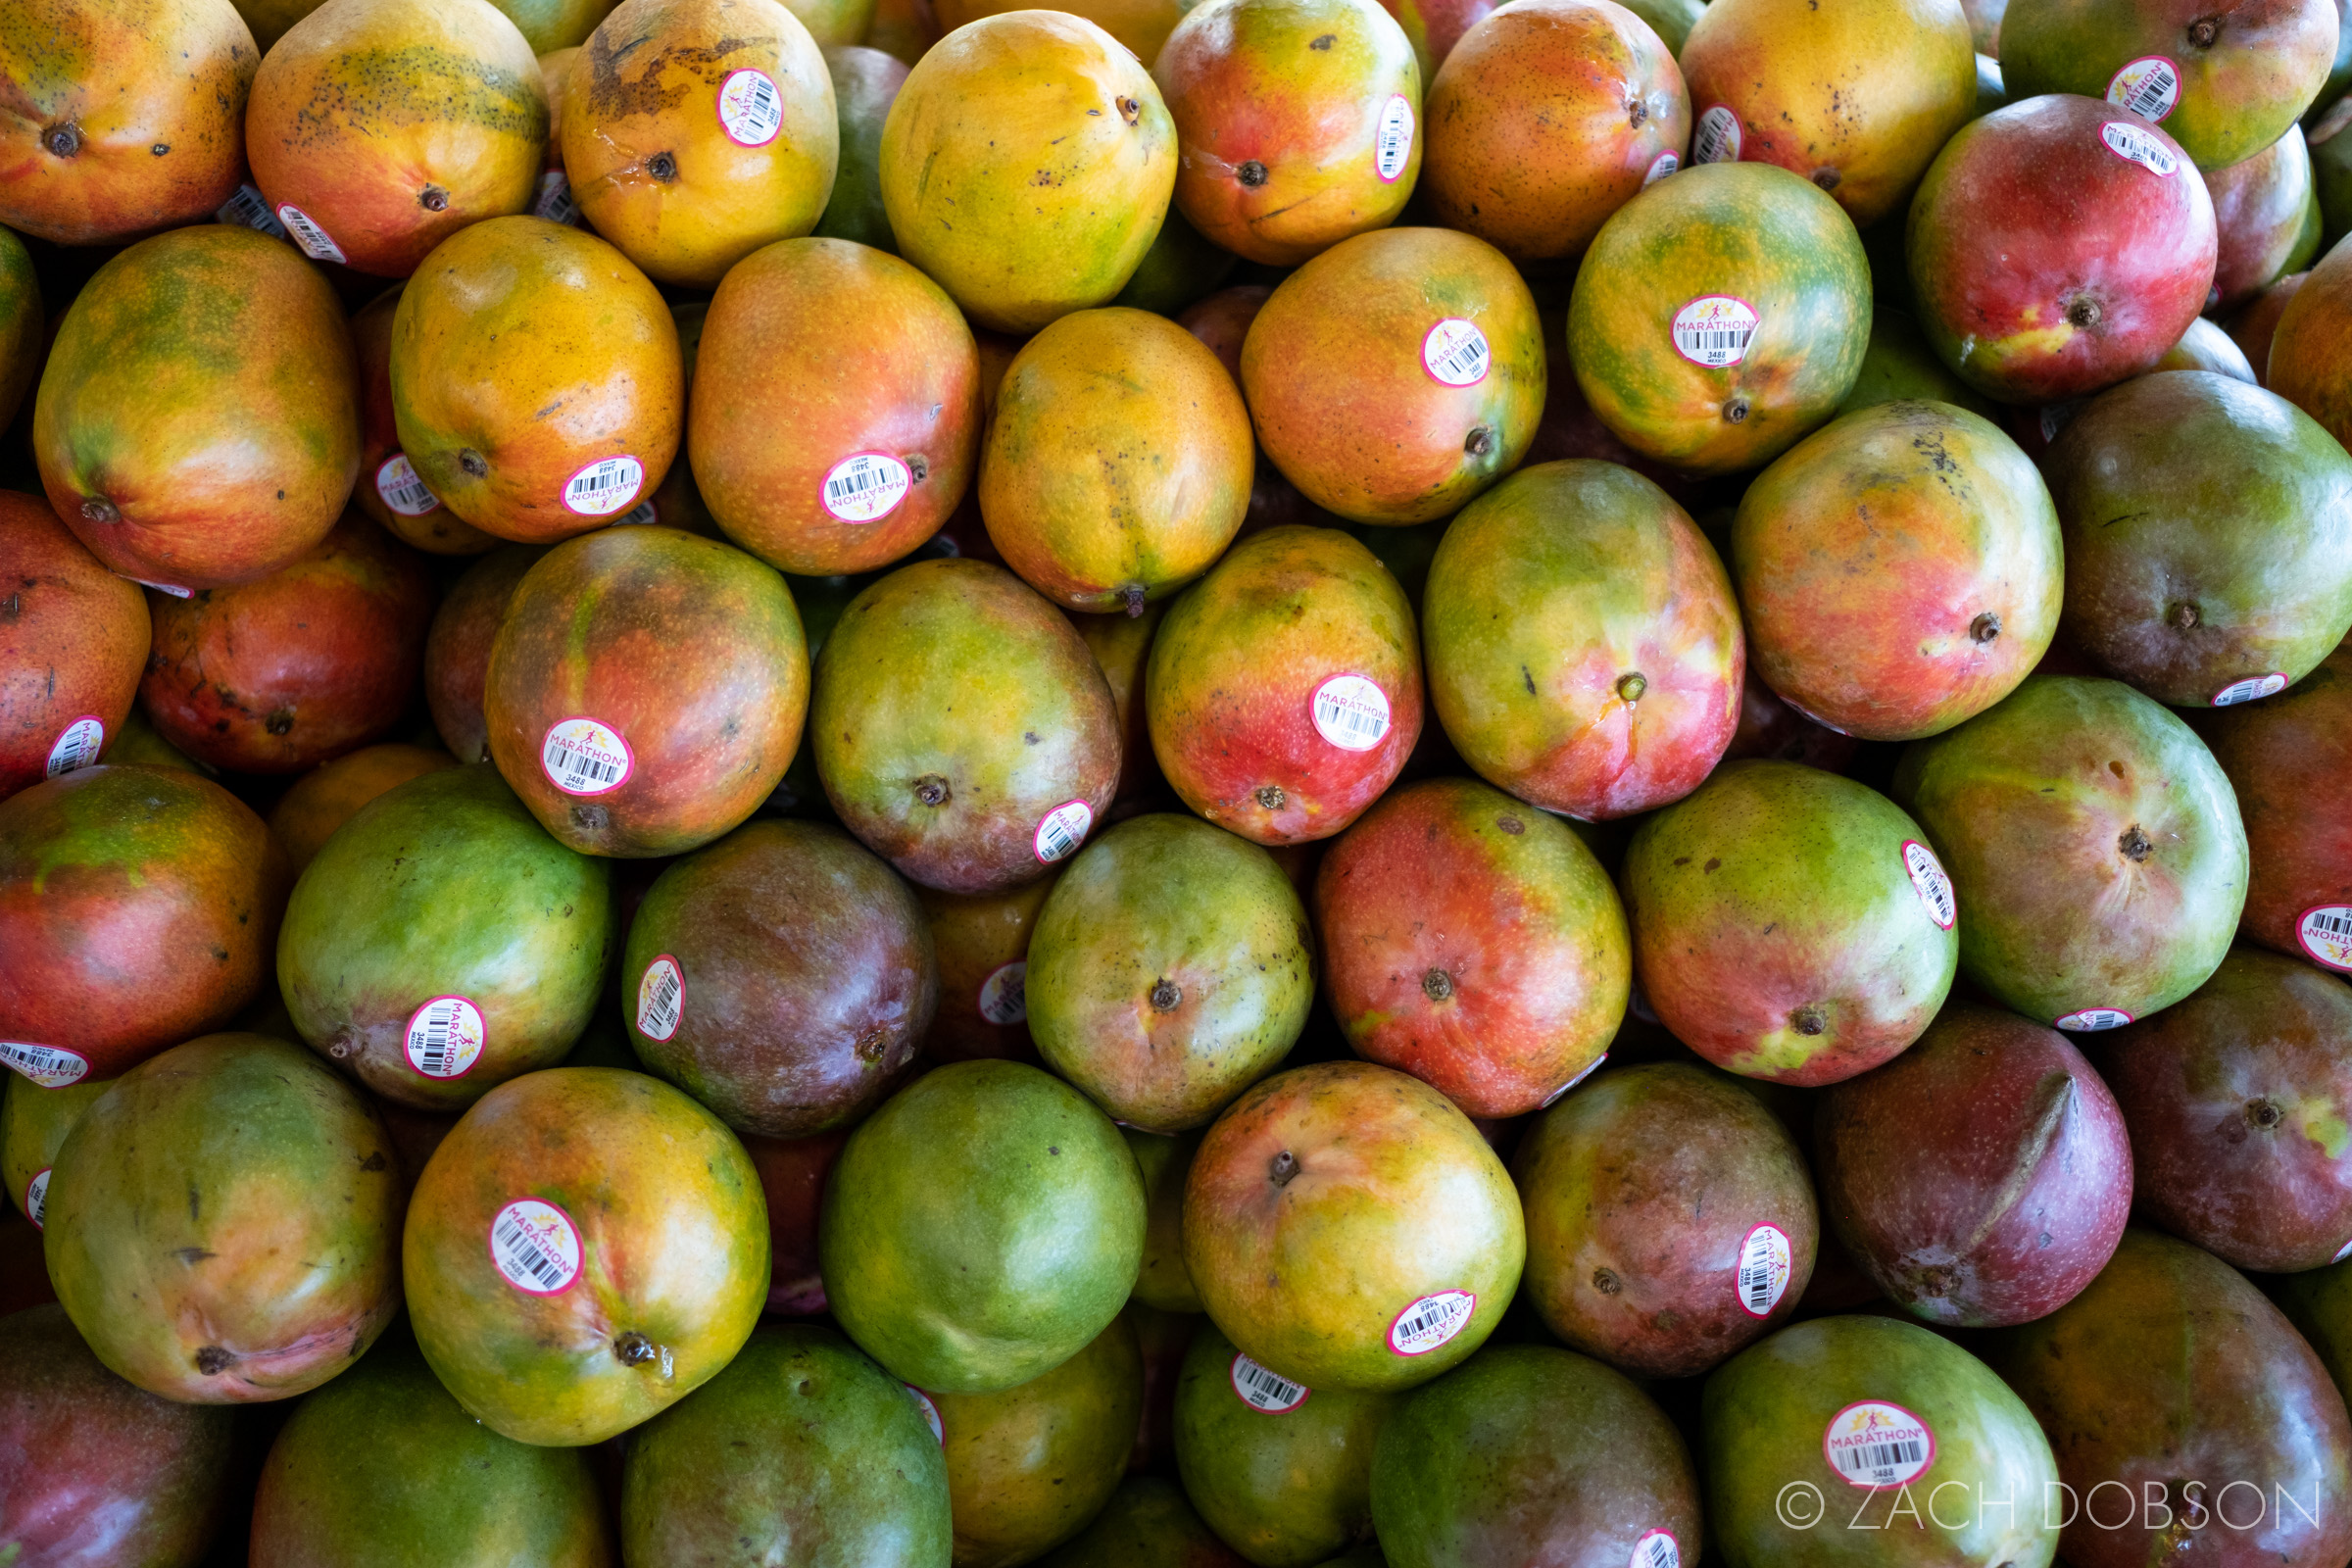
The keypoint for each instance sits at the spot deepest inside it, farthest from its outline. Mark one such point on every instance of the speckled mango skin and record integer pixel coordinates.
(394, 123)
(673, 1248)
(1165, 903)
(653, 165)
(1585, 650)
(2312, 344)
(1544, 124)
(1119, 460)
(607, 627)
(1753, 233)
(526, 350)
(784, 394)
(1776, 929)
(1297, 88)
(126, 77)
(1901, 570)
(935, 679)
(198, 421)
(1230, 688)
(1347, 408)
(73, 638)
(1854, 95)
(139, 906)
(1394, 1197)
(1473, 943)
(2281, 755)
(1026, 167)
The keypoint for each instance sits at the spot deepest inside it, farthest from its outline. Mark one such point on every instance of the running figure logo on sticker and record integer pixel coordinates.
(1351, 713)
(1716, 140)
(749, 110)
(1657, 1548)
(79, 745)
(1394, 143)
(603, 487)
(397, 482)
(1870, 1444)
(923, 1402)
(1455, 352)
(660, 998)
(2250, 689)
(1666, 163)
(536, 1248)
(1765, 1263)
(36, 1197)
(583, 756)
(1431, 1321)
(2135, 144)
(1933, 884)
(1714, 330)
(1004, 994)
(445, 1037)
(2324, 932)
(50, 1066)
(1062, 831)
(1264, 1389)
(2093, 1018)
(864, 487)
(2149, 87)
(308, 238)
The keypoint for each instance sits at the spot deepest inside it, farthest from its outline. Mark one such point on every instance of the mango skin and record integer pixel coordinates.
(197, 423)
(2311, 342)
(119, 79)
(2281, 755)
(1026, 167)
(24, 325)
(865, 83)
(652, 163)
(437, 529)
(72, 644)
(1148, 1523)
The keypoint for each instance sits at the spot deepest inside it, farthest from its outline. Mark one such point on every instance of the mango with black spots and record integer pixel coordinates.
(538, 384)
(121, 117)
(585, 1249)
(74, 640)
(223, 1224)
(1720, 315)
(390, 124)
(141, 908)
(694, 131)
(1026, 167)
(196, 422)
(1396, 374)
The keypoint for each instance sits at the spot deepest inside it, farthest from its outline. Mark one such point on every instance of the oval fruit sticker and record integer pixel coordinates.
(1431, 1321)
(603, 487)
(865, 486)
(582, 756)
(2251, 688)
(1716, 137)
(79, 745)
(2325, 934)
(536, 1246)
(1657, 1548)
(445, 1037)
(749, 110)
(50, 1066)
(1392, 144)
(2090, 1019)
(1264, 1389)
(2137, 144)
(660, 998)
(1455, 352)
(1870, 1444)
(397, 487)
(1062, 831)
(2149, 87)
(1765, 1263)
(1715, 330)
(1351, 713)
(1930, 880)
(1004, 994)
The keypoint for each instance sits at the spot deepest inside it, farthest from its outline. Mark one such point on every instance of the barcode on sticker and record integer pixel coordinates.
(2325, 933)
(2091, 1018)
(1063, 831)
(445, 1037)
(1872, 1443)
(1765, 1263)
(1004, 994)
(1351, 713)
(402, 490)
(2135, 144)
(36, 1196)
(749, 108)
(865, 486)
(1394, 143)
(584, 756)
(2250, 689)
(1455, 352)
(251, 209)
(923, 1402)
(1933, 884)
(1263, 1388)
(50, 1066)
(1657, 1548)
(1431, 1321)
(555, 203)
(660, 998)
(2149, 87)
(536, 1246)
(1717, 138)
(1714, 330)
(605, 486)
(79, 745)
(313, 241)
(643, 513)
(1660, 167)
